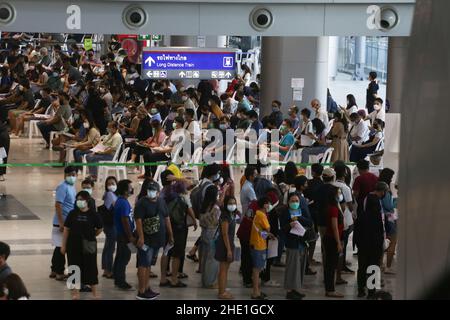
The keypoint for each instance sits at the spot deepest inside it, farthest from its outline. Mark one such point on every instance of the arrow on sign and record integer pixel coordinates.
(149, 61)
(149, 74)
(228, 75)
(182, 74)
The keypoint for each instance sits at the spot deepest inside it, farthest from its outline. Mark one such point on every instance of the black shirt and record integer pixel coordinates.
(370, 99)
(369, 231)
(144, 130)
(152, 215)
(323, 194)
(83, 225)
(205, 88)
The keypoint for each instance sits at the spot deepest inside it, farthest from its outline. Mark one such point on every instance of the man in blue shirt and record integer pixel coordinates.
(64, 204)
(124, 224)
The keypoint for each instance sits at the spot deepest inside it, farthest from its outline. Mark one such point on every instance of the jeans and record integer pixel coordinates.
(45, 130)
(94, 158)
(209, 265)
(331, 262)
(109, 248)
(78, 155)
(123, 256)
(312, 151)
(246, 262)
(58, 261)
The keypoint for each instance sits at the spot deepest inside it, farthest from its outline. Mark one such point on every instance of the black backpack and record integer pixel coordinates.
(107, 215)
(198, 195)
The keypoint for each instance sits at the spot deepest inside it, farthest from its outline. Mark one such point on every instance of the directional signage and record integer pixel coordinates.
(188, 63)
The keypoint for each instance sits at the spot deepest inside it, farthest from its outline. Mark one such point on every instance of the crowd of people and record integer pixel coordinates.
(91, 109)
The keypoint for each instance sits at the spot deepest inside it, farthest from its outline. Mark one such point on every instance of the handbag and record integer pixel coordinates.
(89, 247)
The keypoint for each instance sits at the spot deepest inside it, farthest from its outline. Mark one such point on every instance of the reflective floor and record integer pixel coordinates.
(28, 232)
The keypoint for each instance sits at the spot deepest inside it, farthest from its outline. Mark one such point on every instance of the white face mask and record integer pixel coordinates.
(152, 194)
(86, 125)
(112, 188)
(232, 207)
(377, 107)
(88, 190)
(340, 198)
(292, 190)
(71, 180)
(81, 204)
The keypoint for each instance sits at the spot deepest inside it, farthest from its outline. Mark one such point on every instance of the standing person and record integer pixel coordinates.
(109, 198)
(390, 218)
(209, 221)
(364, 183)
(339, 135)
(5, 270)
(372, 91)
(81, 228)
(332, 241)
(248, 191)
(369, 235)
(152, 221)
(65, 198)
(296, 254)
(260, 233)
(225, 243)
(4, 143)
(124, 225)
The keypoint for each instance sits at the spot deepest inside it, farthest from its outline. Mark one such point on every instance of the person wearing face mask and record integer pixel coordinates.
(82, 226)
(91, 139)
(88, 186)
(296, 255)
(293, 116)
(332, 241)
(372, 91)
(287, 140)
(24, 102)
(155, 115)
(192, 126)
(306, 136)
(359, 132)
(276, 115)
(109, 199)
(225, 243)
(215, 107)
(65, 197)
(260, 233)
(370, 235)
(152, 225)
(110, 144)
(125, 227)
(108, 98)
(320, 113)
(379, 111)
(360, 152)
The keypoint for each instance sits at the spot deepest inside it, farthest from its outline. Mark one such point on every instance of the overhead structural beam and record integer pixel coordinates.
(202, 17)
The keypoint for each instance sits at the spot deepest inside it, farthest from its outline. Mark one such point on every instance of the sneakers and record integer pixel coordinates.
(125, 286)
(294, 295)
(147, 295)
(271, 283)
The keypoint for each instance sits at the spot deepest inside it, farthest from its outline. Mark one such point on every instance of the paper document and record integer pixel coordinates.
(3, 153)
(272, 249)
(42, 116)
(298, 229)
(167, 249)
(98, 148)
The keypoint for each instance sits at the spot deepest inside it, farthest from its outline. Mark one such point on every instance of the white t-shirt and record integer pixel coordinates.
(352, 110)
(345, 189)
(323, 116)
(378, 115)
(360, 130)
(194, 130)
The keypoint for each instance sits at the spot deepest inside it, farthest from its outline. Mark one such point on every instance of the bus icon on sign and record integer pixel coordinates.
(228, 62)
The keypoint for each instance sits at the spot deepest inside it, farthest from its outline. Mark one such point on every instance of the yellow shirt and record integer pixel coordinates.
(261, 223)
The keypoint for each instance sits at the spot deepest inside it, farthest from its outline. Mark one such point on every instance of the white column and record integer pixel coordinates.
(397, 57)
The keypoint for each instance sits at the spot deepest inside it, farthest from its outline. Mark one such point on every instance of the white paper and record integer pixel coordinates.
(272, 249)
(3, 153)
(297, 95)
(42, 116)
(167, 249)
(306, 141)
(98, 148)
(297, 83)
(298, 229)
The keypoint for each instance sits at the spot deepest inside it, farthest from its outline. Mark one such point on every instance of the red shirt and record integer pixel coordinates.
(365, 184)
(333, 212)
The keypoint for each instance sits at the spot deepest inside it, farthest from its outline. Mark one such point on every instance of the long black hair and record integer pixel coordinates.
(210, 198)
(351, 101)
(318, 125)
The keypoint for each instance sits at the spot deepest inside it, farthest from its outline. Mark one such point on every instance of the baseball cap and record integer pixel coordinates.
(329, 172)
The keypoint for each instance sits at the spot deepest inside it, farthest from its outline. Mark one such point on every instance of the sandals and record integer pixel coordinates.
(179, 284)
(225, 296)
(165, 284)
(153, 275)
(182, 275)
(192, 257)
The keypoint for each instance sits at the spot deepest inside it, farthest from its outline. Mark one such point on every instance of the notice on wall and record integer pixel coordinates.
(297, 83)
(88, 44)
(297, 94)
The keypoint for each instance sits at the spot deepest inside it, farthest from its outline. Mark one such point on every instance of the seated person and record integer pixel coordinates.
(287, 139)
(306, 136)
(24, 103)
(91, 139)
(360, 152)
(359, 133)
(320, 141)
(110, 144)
(41, 109)
(6, 80)
(60, 120)
(153, 141)
(163, 152)
(129, 123)
(78, 131)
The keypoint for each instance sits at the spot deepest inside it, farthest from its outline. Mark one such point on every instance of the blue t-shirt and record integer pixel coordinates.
(122, 208)
(66, 196)
(287, 141)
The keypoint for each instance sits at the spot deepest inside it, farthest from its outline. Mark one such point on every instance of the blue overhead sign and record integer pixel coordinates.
(188, 63)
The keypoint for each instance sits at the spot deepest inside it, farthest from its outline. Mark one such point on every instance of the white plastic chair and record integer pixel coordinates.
(54, 133)
(196, 158)
(321, 158)
(104, 170)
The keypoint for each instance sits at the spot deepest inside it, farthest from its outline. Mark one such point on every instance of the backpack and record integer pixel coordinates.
(177, 211)
(198, 195)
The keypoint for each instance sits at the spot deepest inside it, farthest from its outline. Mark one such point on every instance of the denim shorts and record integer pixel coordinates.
(259, 258)
(145, 258)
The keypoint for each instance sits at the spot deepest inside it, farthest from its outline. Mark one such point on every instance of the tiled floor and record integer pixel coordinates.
(31, 245)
